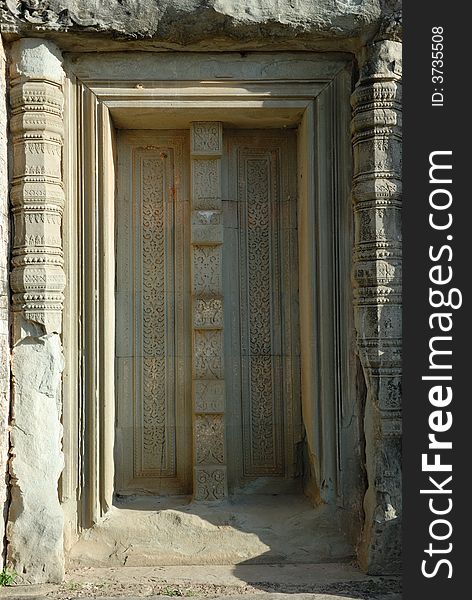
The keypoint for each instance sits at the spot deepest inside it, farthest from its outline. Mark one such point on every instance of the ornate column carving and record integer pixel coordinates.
(4, 298)
(210, 481)
(37, 196)
(35, 521)
(376, 128)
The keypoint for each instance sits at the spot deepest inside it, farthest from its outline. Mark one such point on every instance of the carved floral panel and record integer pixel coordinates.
(266, 286)
(152, 279)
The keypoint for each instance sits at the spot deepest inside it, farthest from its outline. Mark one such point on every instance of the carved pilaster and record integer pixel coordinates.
(35, 520)
(207, 304)
(37, 197)
(376, 128)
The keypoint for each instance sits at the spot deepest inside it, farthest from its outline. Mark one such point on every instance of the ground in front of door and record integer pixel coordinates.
(327, 581)
(273, 547)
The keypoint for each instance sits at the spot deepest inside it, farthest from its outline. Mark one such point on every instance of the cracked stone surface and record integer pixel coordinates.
(4, 320)
(186, 22)
(35, 522)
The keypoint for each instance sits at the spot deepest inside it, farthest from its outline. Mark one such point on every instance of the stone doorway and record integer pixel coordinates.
(252, 421)
(199, 130)
(103, 93)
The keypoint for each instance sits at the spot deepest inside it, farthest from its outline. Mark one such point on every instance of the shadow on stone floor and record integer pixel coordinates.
(262, 544)
(248, 529)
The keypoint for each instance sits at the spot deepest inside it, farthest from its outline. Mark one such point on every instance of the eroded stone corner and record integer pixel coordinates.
(4, 303)
(35, 520)
(376, 129)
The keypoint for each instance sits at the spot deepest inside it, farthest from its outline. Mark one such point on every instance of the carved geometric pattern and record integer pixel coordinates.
(208, 312)
(37, 197)
(206, 217)
(209, 439)
(377, 205)
(208, 354)
(207, 276)
(207, 227)
(209, 395)
(206, 184)
(207, 138)
(210, 483)
(154, 271)
(157, 436)
(207, 282)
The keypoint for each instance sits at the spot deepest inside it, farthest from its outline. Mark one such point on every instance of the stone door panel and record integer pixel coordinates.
(261, 306)
(152, 327)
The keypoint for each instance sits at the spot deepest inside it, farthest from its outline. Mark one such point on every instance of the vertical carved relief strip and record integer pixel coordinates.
(376, 128)
(35, 521)
(153, 334)
(210, 477)
(155, 448)
(259, 242)
(262, 308)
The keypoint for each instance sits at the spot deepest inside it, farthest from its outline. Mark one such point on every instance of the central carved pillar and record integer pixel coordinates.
(210, 478)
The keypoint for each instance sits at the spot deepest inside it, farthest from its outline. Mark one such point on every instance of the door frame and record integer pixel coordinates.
(271, 89)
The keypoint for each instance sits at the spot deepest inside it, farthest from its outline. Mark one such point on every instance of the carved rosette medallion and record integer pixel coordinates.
(376, 129)
(210, 480)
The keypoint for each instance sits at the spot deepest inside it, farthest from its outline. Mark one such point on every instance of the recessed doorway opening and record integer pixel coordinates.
(259, 388)
(277, 425)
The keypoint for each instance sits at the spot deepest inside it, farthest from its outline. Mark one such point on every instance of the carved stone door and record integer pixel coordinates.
(261, 308)
(154, 439)
(153, 434)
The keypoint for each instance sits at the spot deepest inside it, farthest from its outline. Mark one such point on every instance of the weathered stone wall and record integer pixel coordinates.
(4, 300)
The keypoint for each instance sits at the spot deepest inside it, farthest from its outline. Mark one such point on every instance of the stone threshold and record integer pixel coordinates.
(256, 529)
